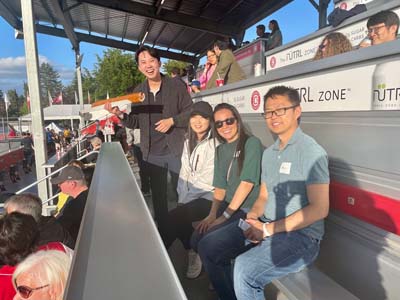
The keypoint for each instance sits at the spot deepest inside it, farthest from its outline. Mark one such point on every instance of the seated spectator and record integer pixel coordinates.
(49, 229)
(42, 276)
(275, 38)
(194, 184)
(175, 72)
(72, 182)
(18, 237)
(261, 34)
(334, 43)
(95, 145)
(195, 86)
(227, 68)
(209, 68)
(382, 27)
(236, 181)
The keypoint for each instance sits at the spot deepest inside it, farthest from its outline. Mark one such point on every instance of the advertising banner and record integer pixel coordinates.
(306, 51)
(373, 87)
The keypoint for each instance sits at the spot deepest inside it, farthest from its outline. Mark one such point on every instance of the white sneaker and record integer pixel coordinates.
(194, 265)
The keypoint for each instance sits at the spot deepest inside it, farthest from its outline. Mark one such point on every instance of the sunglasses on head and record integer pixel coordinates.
(229, 121)
(25, 291)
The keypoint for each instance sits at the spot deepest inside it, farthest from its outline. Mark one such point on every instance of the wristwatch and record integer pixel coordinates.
(265, 230)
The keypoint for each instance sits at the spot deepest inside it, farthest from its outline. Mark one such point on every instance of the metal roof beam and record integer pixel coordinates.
(159, 34)
(112, 43)
(86, 11)
(66, 23)
(169, 16)
(10, 16)
(124, 29)
(48, 11)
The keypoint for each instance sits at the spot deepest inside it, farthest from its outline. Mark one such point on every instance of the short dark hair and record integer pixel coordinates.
(262, 27)
(28, 203)
(18, 237)
(388, 17)
(282, 90)
(222, 45)
(176, 71)
(153, 52)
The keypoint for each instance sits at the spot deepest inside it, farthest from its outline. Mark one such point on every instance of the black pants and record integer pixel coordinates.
(158, 183)
(179, 222)
(143, 171)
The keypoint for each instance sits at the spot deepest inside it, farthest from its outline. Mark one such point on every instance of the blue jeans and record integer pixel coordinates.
(274, 257)
(217, 248)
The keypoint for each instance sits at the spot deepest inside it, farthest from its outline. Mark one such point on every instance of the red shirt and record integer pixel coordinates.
(7, 291)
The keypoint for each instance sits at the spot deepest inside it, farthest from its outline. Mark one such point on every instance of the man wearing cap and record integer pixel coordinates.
(72, 182)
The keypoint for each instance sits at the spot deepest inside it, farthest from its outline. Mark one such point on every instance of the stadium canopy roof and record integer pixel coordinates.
(181, 30)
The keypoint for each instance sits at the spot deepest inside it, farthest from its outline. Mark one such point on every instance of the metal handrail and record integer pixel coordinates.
(51, 174)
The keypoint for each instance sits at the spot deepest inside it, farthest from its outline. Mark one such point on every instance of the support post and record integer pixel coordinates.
(78, 59)
(32, 69)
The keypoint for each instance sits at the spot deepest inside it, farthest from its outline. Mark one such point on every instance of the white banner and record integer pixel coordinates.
(306, 51)
(373, 87)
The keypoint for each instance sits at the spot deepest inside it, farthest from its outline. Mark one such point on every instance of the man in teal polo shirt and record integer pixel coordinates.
(295, 188)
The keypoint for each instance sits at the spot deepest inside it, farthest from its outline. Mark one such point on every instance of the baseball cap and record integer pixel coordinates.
(203, 109)
(69, 173)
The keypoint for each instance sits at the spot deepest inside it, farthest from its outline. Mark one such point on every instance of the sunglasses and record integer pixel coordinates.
(229, 121)
(322, 46)
(25, 291)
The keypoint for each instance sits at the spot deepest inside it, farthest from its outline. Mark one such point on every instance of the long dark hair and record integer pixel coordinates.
(275, 24)
(192, 136)
(243, 134)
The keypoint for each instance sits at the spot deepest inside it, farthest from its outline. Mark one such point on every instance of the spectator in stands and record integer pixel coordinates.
(295, 189)
(49, 229)
(332, 44)
(18, 236)
(72, 182)
(195, 86)
(227, 68)
(42, 276)
(382, 27)
(194, 184)
(209, 68)
(162, 118)
(261, 34)
(175, 72)
(275, 38)
(95, 145)
(28, 149)
(67, 135)
(236, 181)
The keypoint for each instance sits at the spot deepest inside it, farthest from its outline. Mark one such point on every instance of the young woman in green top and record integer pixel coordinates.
(237, 170)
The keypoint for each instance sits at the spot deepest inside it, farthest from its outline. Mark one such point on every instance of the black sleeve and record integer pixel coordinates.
(184, 105)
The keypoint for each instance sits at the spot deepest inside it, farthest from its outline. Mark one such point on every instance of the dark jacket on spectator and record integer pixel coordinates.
(176, 104)
(52, 231)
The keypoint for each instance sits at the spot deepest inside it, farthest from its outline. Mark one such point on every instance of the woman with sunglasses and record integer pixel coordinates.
(42, 276)
(236, 181)
(195, 190)
(18, 237)
(334, 43)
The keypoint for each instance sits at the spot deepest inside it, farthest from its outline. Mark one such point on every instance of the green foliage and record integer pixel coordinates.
(114, 73)
(49, 82)
(170, 64)
(24, 109)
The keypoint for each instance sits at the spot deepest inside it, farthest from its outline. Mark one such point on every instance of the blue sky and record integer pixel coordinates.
(296, 20)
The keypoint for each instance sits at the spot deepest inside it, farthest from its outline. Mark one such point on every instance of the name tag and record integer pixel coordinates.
(285, 168)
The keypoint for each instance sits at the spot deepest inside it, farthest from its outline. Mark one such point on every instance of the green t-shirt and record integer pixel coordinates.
(226, 173)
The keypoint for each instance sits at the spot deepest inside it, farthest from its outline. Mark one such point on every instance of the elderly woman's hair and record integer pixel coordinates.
(28, 203)
(337, 43)
(96, 141)
(18, 237)
(51, 266)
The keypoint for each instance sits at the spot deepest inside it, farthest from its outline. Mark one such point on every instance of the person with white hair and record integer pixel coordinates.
(42, 276)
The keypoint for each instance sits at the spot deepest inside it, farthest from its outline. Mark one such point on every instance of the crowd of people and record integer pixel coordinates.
(262, 209)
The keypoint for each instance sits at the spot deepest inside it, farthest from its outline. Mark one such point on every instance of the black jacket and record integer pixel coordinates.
(176, 103)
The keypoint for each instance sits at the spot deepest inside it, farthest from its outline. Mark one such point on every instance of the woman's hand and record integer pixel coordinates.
(205, 224)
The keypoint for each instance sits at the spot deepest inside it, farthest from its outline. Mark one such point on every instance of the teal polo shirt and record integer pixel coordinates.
(287, 173)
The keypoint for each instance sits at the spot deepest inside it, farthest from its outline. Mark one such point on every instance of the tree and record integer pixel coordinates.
(13, 109)
(170, 64)
(49, 82)
(115, 73)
